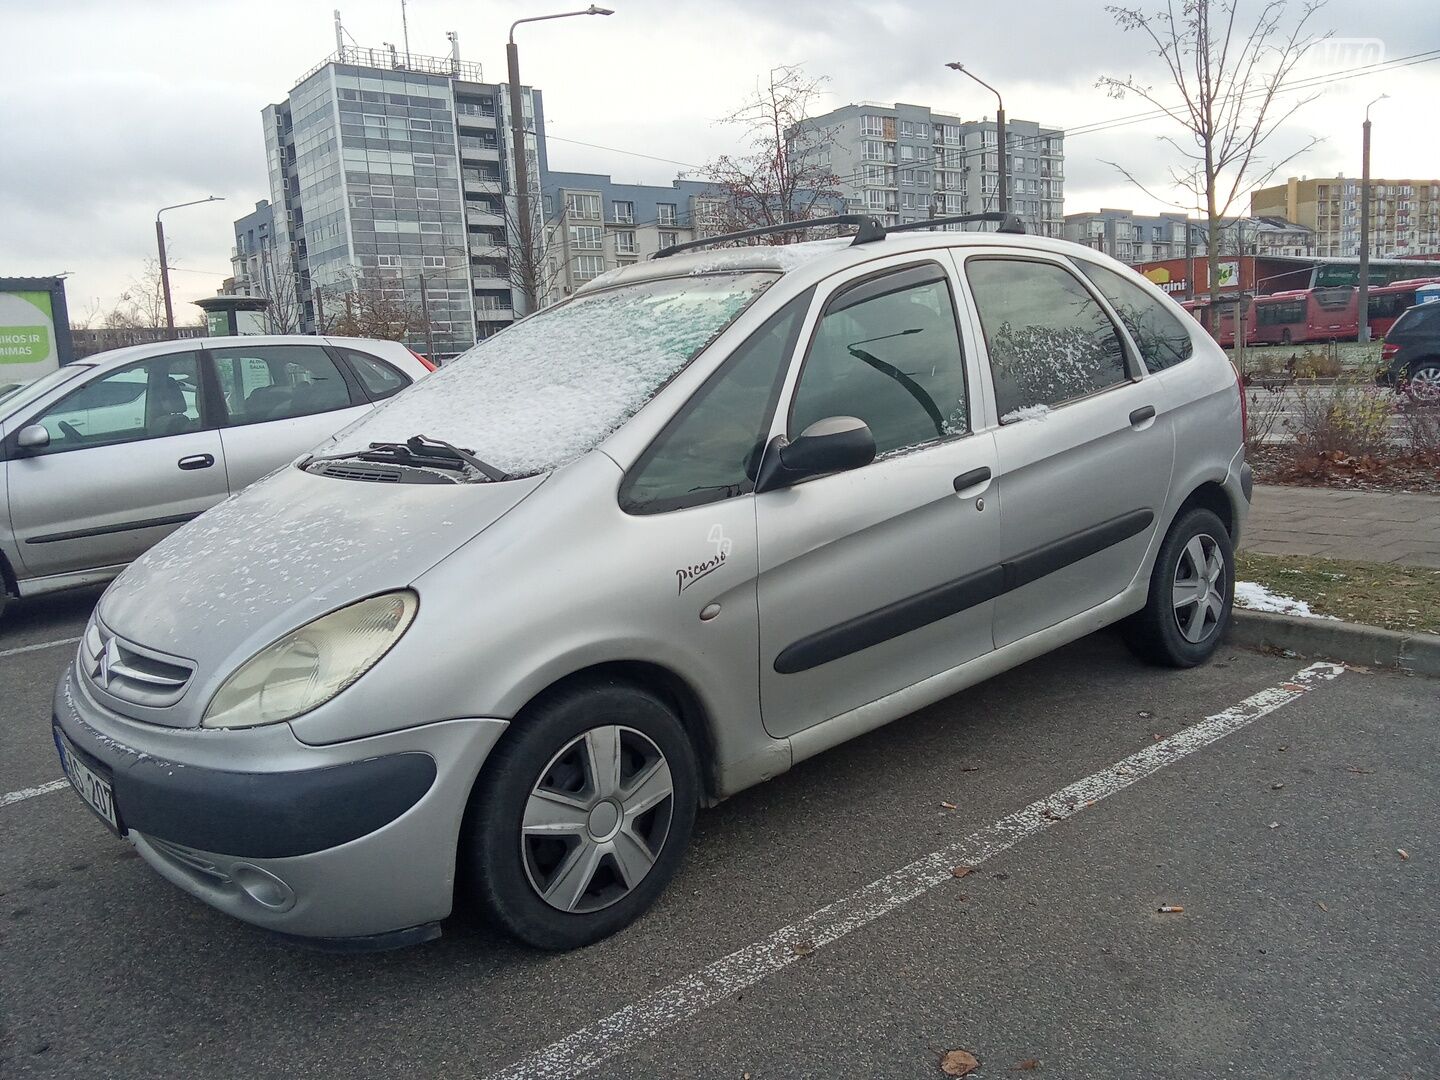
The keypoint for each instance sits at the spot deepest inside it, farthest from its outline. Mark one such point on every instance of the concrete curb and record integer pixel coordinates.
(1350, 643)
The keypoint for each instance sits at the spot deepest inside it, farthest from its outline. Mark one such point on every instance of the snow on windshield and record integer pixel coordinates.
(552, 387)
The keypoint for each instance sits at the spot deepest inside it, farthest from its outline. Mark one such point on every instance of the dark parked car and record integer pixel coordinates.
(1410, 355)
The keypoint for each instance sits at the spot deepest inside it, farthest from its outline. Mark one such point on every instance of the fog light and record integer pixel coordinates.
(263, 887)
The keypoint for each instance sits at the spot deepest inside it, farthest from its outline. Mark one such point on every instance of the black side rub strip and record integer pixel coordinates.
(106, 530)
(953, 597)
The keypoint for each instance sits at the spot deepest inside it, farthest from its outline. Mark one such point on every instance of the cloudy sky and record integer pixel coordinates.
(111, 110)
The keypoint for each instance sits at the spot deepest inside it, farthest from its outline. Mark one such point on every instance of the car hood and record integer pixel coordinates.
(286, 550)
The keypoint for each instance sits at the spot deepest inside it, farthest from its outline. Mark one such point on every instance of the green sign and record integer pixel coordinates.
(27, 336)
(218, 323)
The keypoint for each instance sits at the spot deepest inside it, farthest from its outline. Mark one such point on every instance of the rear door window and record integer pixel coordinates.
(1049, 341)
(276, 382)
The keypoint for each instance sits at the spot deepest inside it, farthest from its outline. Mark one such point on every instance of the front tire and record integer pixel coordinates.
(1192, 589)
(582, 815)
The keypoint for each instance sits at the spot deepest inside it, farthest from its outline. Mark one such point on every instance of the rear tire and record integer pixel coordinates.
(1192, 589)
(581, 816)
(1423, 382)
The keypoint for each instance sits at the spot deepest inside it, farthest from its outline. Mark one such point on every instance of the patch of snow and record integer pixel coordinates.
(553, 386)
(1253, 596)
(1026, 412)
(784, 257)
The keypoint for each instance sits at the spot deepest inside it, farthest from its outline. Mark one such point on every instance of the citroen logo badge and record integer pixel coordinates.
(108, 658)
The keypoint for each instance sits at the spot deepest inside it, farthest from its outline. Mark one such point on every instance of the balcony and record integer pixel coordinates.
(490, 218)
(487, 251)
(494, 314)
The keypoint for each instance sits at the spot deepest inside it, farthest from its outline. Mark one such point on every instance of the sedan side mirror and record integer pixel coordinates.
(32, 437)
(835, 444)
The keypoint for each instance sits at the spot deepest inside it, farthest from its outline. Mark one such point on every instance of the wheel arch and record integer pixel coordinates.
(667, 685)
(1209, 495)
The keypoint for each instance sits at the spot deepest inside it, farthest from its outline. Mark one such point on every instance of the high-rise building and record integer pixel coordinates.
(594, 224)
(252, 259)
(1404, 214)
(1139, 238)
(905, 162)
(392, 187)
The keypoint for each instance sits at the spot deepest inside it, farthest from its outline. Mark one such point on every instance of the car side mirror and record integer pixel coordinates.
(32, 437)
(835, 444)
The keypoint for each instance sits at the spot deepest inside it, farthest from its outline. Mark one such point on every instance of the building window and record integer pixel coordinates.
(625, 242)
(907, 153)
(623, 212)
(585, 237)
(872, 125)
(668, 240)
(907, 128)
(589, 266)
(582, 205)
(665, 213)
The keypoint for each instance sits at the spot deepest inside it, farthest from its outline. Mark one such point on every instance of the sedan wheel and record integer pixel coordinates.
(596, 819)
(1199, 589)
(1424, 383)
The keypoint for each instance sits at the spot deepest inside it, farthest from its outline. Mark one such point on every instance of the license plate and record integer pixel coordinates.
(88, 784)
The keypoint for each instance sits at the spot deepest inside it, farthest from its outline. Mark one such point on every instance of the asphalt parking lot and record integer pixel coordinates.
(803, 936)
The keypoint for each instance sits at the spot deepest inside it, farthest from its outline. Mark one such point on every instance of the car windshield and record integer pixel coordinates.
(554, 386)
(14, 397)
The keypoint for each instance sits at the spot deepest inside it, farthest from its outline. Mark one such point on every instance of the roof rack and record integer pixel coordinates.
(868, 229)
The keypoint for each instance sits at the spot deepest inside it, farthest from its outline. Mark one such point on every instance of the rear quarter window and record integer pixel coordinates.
(1162, 339)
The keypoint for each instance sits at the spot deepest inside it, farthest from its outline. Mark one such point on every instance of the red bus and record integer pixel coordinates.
(1224, 329)
(1388, 302)
(1327, 314)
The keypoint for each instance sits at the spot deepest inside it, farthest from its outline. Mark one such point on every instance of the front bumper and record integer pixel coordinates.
(353, 840)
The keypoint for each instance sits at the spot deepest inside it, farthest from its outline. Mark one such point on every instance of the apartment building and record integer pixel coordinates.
(1140, 238)
(594, 224)
(1404, 214)
(252, 259)
(385, 168)
(905, 162)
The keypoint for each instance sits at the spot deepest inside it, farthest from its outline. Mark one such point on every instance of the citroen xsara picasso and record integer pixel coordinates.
(710, 516)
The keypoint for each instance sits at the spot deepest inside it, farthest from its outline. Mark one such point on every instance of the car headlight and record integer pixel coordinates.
(309, 666)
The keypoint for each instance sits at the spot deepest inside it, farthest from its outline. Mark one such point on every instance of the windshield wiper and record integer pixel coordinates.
(420, 451)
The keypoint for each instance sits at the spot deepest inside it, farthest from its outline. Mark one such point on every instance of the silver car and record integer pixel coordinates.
(108, 455)
(712, 515)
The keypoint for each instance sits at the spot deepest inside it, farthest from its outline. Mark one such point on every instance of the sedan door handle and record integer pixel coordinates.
(971, 478)
(1140, 415)
(196, 461)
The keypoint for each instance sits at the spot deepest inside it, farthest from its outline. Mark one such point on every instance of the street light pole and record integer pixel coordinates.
(1362, 300)
(528, 275)
(164, 266)
(1002, 199)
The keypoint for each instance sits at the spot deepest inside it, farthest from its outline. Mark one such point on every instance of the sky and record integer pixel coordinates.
(109, 111)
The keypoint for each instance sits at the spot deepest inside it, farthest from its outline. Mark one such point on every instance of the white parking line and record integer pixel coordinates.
(30, 792)
(593, 1046)
(37, 647)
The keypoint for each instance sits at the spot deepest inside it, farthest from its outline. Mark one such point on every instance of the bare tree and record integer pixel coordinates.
(370, 306)
(1228, 79)
(285, 313)
(785, 174)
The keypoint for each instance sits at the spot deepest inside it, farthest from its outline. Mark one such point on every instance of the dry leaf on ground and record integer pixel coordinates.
(803, 948)
(958, 1063)
(1028, 1065)
(961, 871)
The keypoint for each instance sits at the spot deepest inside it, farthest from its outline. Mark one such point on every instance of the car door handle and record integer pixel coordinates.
(1140, 415)
(971, 478)
(196, 461)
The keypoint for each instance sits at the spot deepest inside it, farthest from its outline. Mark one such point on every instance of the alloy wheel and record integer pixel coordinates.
(1199, 588)
(596, 819)
(1424, 383)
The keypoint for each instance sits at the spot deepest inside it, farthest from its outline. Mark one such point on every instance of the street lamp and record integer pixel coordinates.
(522, 165)
(164, 268)
(1362, 301)
(1002, 202)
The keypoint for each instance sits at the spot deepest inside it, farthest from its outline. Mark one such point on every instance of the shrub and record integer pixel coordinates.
(1420, 424)
(1350, 418)
(1315, 365)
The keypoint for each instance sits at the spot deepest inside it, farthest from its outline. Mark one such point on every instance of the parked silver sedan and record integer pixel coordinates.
(712, 515)
(108, 455)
